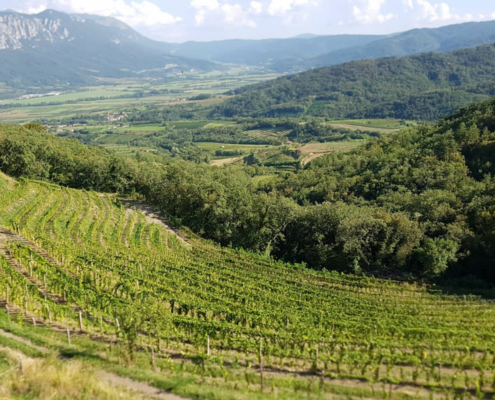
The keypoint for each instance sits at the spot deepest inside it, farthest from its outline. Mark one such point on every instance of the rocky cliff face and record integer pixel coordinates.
(18, 31)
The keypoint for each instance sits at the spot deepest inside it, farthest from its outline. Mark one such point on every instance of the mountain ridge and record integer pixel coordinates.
(308, 51)
(58, 49)
(416, 41)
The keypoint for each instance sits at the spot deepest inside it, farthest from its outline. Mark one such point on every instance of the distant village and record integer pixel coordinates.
(34, 96)
(114, 117)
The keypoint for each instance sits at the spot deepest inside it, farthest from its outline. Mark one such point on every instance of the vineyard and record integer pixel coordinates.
(107, 282)
(268, 133)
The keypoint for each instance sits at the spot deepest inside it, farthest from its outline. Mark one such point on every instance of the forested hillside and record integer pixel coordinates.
(419, 202)
(422, 87)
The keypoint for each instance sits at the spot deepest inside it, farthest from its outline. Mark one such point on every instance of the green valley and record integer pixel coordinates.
(203, 219)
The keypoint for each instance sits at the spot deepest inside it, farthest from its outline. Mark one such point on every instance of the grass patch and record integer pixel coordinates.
(375, 123)
(23, 348)
(189, 124)
(245, 148)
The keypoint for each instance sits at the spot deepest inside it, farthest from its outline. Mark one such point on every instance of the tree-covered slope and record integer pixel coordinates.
(417, 203)
(422, 87)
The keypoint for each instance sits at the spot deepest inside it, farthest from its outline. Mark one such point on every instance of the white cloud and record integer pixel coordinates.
(200, 17)
(437, 12)
(371, 11)
(35, 10)
(280, 7)
(149, 14)
(256, 7)
(205, 4)
(233, 14)
(137, 13)
(202, 6)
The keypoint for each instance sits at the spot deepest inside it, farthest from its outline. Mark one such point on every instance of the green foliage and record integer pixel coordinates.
(435, 255)
(417, 202)
(422, 87)
(35, 127)
(199, 313)
(141, 316)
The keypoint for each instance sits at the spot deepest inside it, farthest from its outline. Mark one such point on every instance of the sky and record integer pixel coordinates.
(204, 20)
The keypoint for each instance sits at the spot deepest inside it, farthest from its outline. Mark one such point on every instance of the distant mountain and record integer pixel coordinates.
(54, 48)
(420, 87)
(306, 36)
(308, 51)
(416, 41)
(278, 54)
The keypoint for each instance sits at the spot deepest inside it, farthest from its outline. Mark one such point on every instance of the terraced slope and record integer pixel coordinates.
(224, 323)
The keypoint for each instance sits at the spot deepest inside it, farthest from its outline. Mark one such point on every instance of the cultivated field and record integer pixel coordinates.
(313, 151)
(268, 133)
(82, 102)
(368, 124)
(244, 148)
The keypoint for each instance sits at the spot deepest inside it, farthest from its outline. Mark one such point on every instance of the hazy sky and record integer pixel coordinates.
(181, 20)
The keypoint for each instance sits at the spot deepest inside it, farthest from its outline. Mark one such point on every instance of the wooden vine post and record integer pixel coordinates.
(153, 364)
(81, 326)
(261, 363)
(21, 365)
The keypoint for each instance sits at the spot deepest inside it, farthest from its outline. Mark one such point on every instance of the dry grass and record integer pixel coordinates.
(56, 380)
(225, 161)
(312, 151)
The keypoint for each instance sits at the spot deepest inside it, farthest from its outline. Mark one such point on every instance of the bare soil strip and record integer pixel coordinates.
(225, 161)
(24, 341)
(136, 386)
(153, 217)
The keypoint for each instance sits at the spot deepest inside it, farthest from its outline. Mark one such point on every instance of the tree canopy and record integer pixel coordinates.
(420, 202)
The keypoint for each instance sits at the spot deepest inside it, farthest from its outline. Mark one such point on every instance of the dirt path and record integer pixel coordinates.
(314, 156)
(225, 161)
(24, 341)
(113, 379)
(153, 217)
(136, 386)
